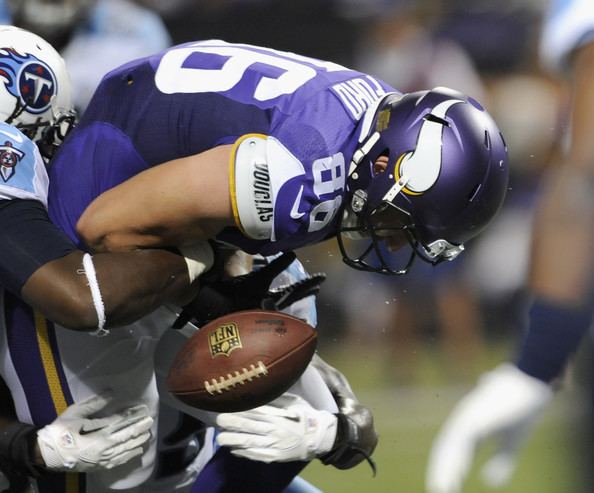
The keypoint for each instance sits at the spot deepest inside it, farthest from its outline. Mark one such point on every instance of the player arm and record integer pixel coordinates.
(563, 237)
(509, 400)
(73, 442)
(561, 275)
(40, 264)
(172, 204)
(131, 285)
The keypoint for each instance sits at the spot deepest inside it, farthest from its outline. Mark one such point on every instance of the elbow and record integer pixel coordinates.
(96, 239)
(101, 240)
(60, 294)
(71, 306)
(76, 313)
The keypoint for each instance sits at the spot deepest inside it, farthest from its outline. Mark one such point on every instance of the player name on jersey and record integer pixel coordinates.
(358, 94)
(262, 192)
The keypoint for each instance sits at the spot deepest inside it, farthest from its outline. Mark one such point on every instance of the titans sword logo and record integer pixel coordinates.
(28, 79)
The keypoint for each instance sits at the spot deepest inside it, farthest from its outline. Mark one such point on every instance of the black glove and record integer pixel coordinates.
(281, 298)
(17, 442)
(247, 292)
(356, 437)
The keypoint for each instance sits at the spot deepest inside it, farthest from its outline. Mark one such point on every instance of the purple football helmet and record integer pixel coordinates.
(442, 178)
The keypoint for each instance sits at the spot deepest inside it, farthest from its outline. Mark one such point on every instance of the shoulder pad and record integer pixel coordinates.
(260, 166)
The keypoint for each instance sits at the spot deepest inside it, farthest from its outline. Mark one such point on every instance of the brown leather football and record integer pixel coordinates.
(242, 360)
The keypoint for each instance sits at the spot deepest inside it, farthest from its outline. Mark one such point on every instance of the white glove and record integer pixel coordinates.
(288, 429)
(75, 442)
(505, 404)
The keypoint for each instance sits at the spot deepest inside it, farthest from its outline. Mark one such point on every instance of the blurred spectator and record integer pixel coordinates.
(508, 401)
(498, 36)
(401, 47)
(93, 36)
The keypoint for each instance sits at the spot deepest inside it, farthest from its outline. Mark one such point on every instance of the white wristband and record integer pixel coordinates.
(199, 258)
(89, 269)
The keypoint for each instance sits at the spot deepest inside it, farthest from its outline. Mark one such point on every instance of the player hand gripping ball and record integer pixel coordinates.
(288, 429)
(76, 442)
(504, 405)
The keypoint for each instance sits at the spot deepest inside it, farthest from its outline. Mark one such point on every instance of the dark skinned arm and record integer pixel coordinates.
(132, 285)
(39, 263)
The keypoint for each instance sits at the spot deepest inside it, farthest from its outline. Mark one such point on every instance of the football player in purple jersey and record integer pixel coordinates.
(269, 151)
(315, 150)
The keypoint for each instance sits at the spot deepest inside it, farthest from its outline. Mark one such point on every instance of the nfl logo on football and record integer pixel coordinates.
(224, 339)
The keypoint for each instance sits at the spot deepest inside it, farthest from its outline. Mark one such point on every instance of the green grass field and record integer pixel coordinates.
(408, 416)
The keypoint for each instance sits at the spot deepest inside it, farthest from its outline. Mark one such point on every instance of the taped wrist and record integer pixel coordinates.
(199, 258)
(17, 442)
(553, 335)
(347, 452)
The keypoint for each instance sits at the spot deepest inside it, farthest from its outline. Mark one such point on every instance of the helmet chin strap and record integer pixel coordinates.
(396, 188)
(18, 109)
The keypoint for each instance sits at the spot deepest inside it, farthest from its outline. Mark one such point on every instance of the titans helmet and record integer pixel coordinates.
(34, 85)
(431, 169)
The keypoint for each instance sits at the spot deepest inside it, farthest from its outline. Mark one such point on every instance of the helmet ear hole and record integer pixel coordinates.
(381, 162)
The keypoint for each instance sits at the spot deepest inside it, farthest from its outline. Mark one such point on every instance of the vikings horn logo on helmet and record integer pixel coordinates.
(417, 171)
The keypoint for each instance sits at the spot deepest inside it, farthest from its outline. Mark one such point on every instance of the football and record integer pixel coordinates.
(241, 361)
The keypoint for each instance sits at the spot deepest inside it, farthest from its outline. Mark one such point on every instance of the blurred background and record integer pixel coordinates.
(410, 346)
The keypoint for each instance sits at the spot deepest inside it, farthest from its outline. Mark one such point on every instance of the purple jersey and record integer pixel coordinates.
(199, 95)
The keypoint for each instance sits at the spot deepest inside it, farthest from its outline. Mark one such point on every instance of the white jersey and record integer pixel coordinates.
(568, 25)
(47, 367)
(22, 169)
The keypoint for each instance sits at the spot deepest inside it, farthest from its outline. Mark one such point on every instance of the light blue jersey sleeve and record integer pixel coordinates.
(22, 170)
(568, 25)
